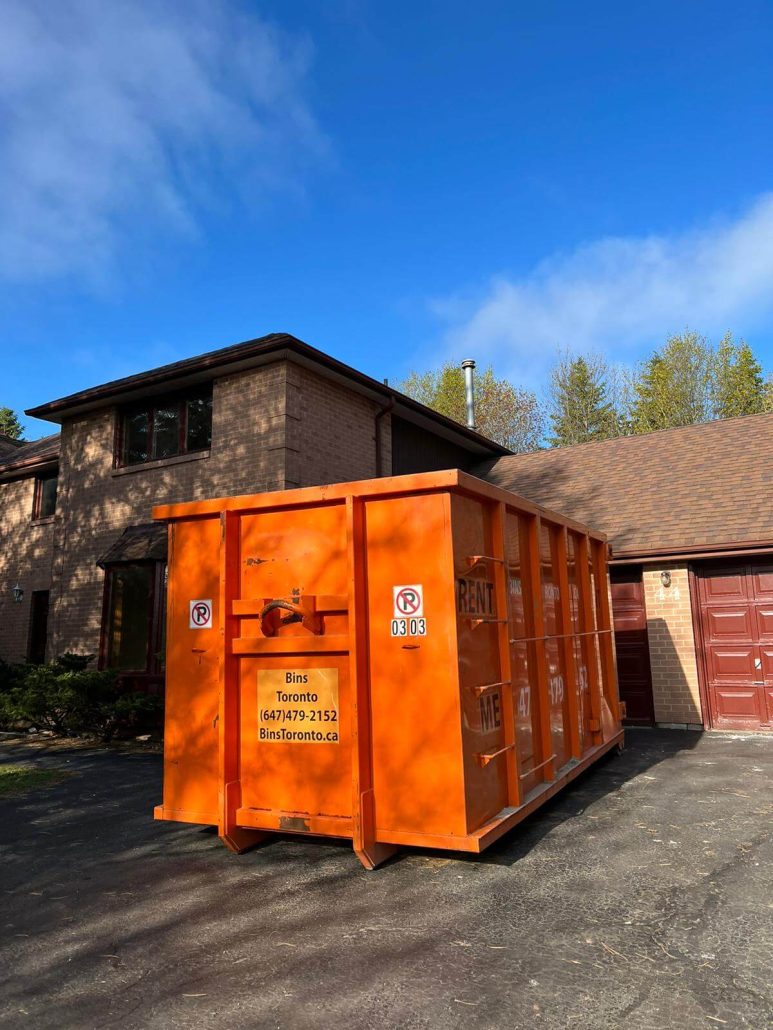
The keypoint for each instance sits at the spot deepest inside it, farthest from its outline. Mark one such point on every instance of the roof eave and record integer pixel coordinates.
(643, 556)
(37, 463)
(250, 354)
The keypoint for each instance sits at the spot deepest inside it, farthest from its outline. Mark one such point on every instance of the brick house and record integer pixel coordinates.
(689, 516)
(82, 566)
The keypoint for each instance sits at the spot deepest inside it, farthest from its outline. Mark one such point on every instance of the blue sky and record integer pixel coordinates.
(397, 184)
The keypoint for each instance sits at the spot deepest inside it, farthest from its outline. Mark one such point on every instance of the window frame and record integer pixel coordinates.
(155, 660)
(149, 409)
(37, 498)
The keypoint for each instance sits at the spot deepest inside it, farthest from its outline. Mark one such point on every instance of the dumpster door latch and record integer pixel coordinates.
(302, 609)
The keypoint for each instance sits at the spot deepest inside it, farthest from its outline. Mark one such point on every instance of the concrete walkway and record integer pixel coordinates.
(641, 897)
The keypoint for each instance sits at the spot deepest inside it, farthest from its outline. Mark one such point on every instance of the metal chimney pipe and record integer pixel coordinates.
(469, 391)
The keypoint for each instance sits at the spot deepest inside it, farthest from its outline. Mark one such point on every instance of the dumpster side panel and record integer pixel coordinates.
(414, 685)
(580, 647)
(477, 614)
(192, 665)
(522, 654)
(554, 652)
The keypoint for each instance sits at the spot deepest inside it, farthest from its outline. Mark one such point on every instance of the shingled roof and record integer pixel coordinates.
(675, 492)
(31, 454)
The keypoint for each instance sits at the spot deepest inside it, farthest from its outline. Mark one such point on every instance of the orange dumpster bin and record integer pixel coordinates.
(418, 660)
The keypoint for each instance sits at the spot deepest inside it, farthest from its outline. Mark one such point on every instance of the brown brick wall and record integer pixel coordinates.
(25, 558)
(331, 432)
(275, 427)
(97, 502)
(672, 646)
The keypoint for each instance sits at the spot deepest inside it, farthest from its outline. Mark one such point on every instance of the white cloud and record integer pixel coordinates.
(619, 295)
(123, 119)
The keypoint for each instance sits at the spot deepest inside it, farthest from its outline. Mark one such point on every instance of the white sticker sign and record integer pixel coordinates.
(408, 601)
(408, 627)
(200, 615)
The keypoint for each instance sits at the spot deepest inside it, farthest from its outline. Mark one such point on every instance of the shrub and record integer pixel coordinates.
(67, 698)
(72, 662)
(9, 675)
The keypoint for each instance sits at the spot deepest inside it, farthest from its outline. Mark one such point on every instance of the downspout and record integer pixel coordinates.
(385, 410)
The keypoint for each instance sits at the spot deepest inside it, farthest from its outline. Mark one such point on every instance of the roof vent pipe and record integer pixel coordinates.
(469, 391)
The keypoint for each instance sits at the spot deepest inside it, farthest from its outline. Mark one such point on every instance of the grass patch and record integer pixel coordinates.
(15, 779)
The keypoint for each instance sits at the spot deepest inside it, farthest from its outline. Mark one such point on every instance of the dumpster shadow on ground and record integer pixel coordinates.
(644, 749)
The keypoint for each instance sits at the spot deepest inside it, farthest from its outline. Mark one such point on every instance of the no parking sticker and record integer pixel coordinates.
(200, 615)
(408, 618)
(408, 601)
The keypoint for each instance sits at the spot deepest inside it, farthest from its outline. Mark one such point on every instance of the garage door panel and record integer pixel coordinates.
(627, 592)
(631, 644)
(627, 622)
(764, 614)
(730, 623)
(735, 705)
(730, 664)
(632, 662)
(725, 585)
(736, 609)
(762, 581)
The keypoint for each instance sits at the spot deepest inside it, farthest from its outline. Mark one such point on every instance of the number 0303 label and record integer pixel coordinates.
(409, 627)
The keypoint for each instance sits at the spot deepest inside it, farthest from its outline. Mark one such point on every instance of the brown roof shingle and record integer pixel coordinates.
(29, 454)
(699, 487)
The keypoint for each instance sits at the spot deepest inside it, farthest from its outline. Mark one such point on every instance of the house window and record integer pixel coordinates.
(133, 626)
(166, 428)
(44, 503)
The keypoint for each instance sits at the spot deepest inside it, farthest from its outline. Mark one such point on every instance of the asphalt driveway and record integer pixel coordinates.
(641, 897)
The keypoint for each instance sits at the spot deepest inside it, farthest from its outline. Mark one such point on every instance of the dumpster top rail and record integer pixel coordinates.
(420, 482)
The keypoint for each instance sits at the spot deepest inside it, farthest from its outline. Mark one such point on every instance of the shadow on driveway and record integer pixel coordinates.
(642, 895)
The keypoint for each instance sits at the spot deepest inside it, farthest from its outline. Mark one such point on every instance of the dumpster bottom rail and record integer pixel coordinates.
(508, 817)
(342, 826)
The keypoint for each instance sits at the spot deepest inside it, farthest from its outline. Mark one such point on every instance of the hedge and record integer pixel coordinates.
(67, 698)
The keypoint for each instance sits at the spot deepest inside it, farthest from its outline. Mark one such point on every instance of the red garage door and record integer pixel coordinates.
(736, 612)
(631, 643)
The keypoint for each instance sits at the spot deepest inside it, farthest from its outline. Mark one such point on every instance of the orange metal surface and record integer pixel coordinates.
(420, 660)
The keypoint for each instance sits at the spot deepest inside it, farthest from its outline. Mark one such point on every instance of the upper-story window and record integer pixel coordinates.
(166, 427)
(44, 503)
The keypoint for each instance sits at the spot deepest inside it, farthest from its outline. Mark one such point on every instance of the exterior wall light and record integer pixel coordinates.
(18, 594)
(665, 579)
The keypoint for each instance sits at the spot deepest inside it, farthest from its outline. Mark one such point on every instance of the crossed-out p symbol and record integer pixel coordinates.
(200, 615)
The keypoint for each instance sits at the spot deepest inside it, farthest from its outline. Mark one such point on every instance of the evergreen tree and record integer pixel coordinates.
(503, 412)
(675, 386)
(739, 388)
(10, 424)
(579, 406)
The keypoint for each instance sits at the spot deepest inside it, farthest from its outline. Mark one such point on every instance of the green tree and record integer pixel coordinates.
(675, 386)
(739, 388)
(503, 412)
(10, 424)
(580, 404)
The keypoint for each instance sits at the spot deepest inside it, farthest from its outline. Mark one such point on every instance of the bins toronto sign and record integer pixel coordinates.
(298, 706)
